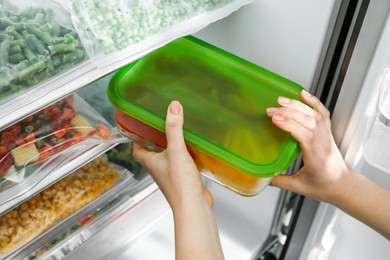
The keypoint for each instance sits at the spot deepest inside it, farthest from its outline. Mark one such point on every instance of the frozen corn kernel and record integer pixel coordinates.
(55, 203)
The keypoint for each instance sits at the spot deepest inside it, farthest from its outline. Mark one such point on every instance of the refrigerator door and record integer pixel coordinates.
(334, 234)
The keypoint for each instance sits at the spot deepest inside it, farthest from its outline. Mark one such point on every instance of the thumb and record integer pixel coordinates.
(174, 127)
(288, 182)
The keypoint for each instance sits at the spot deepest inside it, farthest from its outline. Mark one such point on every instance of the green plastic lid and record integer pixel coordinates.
(224, 99)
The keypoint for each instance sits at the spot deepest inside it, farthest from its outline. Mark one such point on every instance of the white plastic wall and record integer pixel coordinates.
(283, 36)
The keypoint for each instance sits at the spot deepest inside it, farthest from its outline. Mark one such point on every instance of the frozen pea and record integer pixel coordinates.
(100, 18)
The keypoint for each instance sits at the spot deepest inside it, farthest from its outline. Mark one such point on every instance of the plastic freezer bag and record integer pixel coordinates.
(36, 146)
(56, 203)
(136, 26)
(37, 42)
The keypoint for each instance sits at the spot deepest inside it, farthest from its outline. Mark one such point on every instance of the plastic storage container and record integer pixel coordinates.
(226, 128)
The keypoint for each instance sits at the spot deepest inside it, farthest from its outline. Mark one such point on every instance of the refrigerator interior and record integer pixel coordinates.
(288, 38)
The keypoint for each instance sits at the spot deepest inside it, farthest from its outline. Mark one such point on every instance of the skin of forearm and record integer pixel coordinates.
(364, 200)
(196, 233)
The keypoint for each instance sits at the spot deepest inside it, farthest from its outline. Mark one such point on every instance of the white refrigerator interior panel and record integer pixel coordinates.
(243, 224)
(285, 37)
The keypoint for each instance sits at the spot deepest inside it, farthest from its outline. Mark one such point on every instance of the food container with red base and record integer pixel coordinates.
(227, 131)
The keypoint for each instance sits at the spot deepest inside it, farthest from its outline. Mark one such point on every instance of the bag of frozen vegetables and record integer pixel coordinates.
(41, 143)
(37, 42)
(132, 28)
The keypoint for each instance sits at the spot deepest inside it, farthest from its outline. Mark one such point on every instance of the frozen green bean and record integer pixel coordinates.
(28, 53)
(4, 52)
(74, 55)
(67, 65)
(40, 18)
(31, 70)
(34, 47)
(56, 59)
(47, 27)
(4, 80)
(19, 42)
(10, 30)
(16, 58)
(14, 48)
(44, 74)
(63, 47)
(6, 21)
(34, 43)
(50, 18)
(49, 63)
(43, 36)
(9, 89)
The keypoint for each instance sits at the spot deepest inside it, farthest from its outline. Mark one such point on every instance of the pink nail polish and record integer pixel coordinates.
(175, 107)
(305, 93)
(284, 100)
(271, 110)
(278, 117)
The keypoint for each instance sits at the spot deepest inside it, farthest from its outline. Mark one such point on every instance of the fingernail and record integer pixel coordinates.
(278, 117)
(175, 107)
(284, 100)
(271, 110)
(306, 93)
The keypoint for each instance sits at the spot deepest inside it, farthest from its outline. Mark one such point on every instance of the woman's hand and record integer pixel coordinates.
(173, 170)
(324, 175)
(324, 167)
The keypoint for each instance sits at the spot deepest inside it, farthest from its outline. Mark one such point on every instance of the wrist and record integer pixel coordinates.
(344, 188)
(190, 206)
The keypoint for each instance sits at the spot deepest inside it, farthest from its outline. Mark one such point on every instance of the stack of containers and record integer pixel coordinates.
(226, 128)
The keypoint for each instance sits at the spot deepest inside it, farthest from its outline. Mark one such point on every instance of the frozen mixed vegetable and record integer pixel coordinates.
(45, 133)
(34, 47)
(43, 210)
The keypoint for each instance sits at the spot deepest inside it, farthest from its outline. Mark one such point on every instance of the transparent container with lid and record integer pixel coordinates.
(227, 131)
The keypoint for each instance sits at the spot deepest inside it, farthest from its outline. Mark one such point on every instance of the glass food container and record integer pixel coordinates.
(227, 131)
